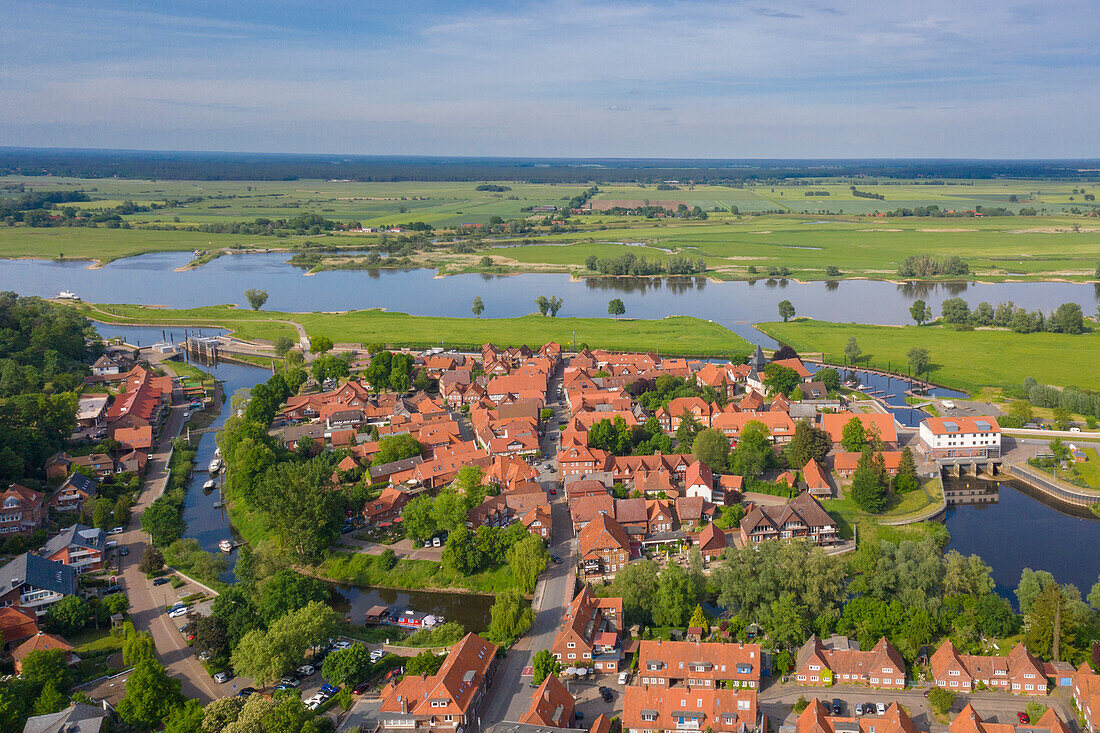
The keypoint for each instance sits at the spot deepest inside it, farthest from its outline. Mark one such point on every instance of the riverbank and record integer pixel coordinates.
(964, 360)
(361, 569)
(680, 335)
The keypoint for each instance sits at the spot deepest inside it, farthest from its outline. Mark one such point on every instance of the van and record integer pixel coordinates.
(1075, 429)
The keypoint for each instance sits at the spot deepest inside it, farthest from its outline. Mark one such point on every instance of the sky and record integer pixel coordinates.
(559, 78)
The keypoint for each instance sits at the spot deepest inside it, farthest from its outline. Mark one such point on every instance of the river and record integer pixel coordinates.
(151, 280)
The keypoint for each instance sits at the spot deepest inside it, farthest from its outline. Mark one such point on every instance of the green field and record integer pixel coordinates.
(807, 235)
(681, 335)
(966, 360)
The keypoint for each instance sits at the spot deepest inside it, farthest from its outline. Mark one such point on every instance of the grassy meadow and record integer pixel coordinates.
(966, 360)
(776, 225)
(672, 335)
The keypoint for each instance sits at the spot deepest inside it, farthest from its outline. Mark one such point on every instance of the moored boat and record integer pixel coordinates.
(226, 545)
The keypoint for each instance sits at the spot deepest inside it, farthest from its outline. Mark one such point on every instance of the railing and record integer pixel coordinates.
(1049, 485)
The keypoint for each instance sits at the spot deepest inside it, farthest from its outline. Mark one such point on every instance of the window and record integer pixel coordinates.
(571, 645)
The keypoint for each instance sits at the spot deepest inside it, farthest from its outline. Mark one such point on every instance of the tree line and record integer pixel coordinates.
(635, 266)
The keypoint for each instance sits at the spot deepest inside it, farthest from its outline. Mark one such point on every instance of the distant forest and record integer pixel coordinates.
(272, 167)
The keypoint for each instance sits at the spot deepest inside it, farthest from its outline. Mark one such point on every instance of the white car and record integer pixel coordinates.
(623, 677)
(880, 708)
(116, 530)
(342, 645)
(313, 703)
(376, 655)
(306, 670)
(177, 612)
(221, 678)
(436, 542)
(1075, 429)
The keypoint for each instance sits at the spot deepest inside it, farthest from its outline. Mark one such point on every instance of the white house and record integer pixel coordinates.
(960, 437)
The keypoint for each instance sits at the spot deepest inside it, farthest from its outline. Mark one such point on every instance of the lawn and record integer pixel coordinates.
(1089, 470)
(913, 503)
(966, 360)
(682, 335)
(85, 243)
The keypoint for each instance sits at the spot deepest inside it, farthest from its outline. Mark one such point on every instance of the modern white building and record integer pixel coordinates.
(960, 437)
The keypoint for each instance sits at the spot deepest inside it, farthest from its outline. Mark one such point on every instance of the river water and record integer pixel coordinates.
(151, 280)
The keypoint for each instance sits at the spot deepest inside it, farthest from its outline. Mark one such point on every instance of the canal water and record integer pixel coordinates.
(151, 280)
(1019, 531)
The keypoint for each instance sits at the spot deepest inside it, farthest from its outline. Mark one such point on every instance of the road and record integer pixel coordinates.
(147, 602)
(508, 696)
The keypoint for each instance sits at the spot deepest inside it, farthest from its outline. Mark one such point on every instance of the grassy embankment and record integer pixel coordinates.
(899, 507)
(363, 569)
(965, 360)
(672, 335)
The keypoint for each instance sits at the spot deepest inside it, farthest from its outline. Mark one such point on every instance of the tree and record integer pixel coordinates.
(920, 312)
(417, 519)
(461, 553)
(256, 298)
(69, 615)
(808, 443)
(301, 507)
(853, 436)
(634, 584)
(754, 450)
(699, 618)
(51, 700)
(906, 478)
(138, 647)
(151, 696)
(387, 561)
(266, 655)
(829, 377)
(287, 591)
(786, 310)
(151, 560)
(687, 430)
(543, 304)
(527, 558)
(781, 379)
(46, 667)
(919, 359)
(395, 448)
(1031, 584)
(941, 700)
(210, 636)
(615, 307)
(347, 666)
(675, 597)
(282, 345)
(1049, 624)
(449, 510)
(478, 306)
(1067, 319)
(955, 310)
(424, 663)
(320, 344)
(788, 621)
(545, 664)
(852, 350)
(509, 617)
(1061, 418)
(187, 718)
(555, 306)
(868, 490)
(163, 521)
(1021, 409)
(712, 448)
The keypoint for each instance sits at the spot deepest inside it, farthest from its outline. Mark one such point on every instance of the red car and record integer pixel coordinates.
(1022, 717)
(553, 491)
(360, 688)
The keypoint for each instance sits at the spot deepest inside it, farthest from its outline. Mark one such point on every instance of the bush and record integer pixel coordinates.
(801, 705)
(941, 700)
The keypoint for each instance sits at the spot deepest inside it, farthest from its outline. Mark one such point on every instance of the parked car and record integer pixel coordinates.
(112, 589)
(313, 703)
(1074, 429)
(578, 714)
(290, 680)
(124, 551)
(306, 670)
(342, 645)
(330, 689)
(111, 544)
(116, 530)
(436, 542)
(553, 491)
(838, 706)
(868, 708)
(177, 612)
(360, 688)
(880, 708)
(623, 677)
(859, 708)
(160, 581)
(1022, 717)
(245, 692)
(376, 655)
(222, 677)
(203, 656)
(556, 559)
(606, 694)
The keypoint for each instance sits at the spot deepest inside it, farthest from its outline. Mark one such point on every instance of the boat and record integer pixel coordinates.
(67, 295)
(215, 465)
(226, 545)
(218, 453)
(208, 486)
(410, 619)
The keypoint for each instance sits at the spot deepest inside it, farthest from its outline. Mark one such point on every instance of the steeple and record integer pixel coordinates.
(757, 361)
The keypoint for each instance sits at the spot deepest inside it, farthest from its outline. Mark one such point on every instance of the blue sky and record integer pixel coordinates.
(766, 78)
